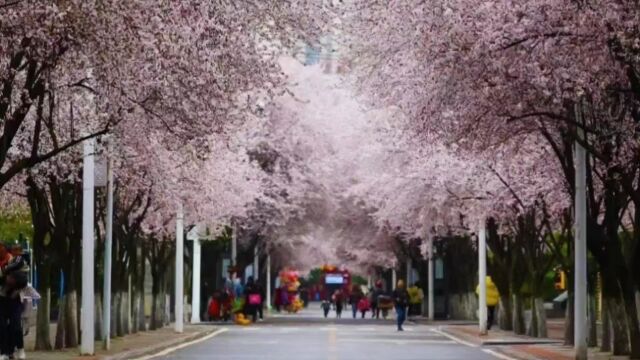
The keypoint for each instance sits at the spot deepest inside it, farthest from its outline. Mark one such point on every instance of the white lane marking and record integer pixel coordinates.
(456, 339)
(248, 328)
(498, 355)
(183, 345)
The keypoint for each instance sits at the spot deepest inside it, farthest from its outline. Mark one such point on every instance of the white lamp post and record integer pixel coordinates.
(195, 281)
(87, 329)
(179, 275)
(482, 275)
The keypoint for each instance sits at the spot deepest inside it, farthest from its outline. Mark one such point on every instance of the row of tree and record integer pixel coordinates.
(169, 91)
(505, 89)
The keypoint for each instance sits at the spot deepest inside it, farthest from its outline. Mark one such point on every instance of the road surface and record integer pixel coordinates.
(308, 336)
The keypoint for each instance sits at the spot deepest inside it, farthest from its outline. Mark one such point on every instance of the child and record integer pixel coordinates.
(363, 306)
(326, 306)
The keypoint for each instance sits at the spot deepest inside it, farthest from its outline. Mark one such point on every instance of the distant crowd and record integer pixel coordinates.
(375, 299)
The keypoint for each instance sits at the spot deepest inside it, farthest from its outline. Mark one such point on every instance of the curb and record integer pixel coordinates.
(498, 342)
(425, 321)
(521, 342)
(154, 349)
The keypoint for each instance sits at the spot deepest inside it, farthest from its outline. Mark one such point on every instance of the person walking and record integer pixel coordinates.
(13, 278)
(19, 269)
(375, 294)
(277, 301)
(338, 301)
(401, 301)
(354, 299)
(253, 299)
(326, 307)
(493, 298)
(363, 305)
(5, 338)
(263, 296)
(416, 296)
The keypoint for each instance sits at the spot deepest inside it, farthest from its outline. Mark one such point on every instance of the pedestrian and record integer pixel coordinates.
(354, 299)
(277, 301)
(416, 296)
(363, 305)
(263, 296)
(375, 294)
(493, 297)
(304, 296)
(20, 270)
(401, 301)
(253, 299)
(238, 289)
(284, 297)
(5, 258)
(326, 306)
(338, 301)
(13, 278)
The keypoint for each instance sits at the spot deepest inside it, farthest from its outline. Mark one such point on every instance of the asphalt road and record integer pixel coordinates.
(308, 336)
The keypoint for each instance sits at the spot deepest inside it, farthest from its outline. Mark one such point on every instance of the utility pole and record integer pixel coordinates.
(87, 326)
(234, 245)
(268, 281)
(195, 281)
(108, 245)
(482, 277)
(256, 263)
(179, 275)
(431, 302)
(580, 294)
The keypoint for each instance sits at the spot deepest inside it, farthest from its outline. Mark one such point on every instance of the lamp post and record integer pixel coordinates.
(108, 244)
(179, 274)
(482, 278)
(87, 315)
(268, 269)
(580, 283)
(430, 299)
(195, 281)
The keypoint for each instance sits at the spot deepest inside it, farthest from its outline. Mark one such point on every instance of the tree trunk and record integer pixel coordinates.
(156, 305)
(569, 321)
(592, 340)
(43, 321)
(114, 315)
(142, 321)
(519, 326)
(605, 346)
(124, 312)
(142, 326)
(541, 317)
(71, 320)
(98, 320)
(629, 298)
(59, 342)
(506, 311)
(119, 315)
(619, 327)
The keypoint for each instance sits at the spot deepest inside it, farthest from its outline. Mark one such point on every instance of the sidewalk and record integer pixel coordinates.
(518, 347)
(127, 347)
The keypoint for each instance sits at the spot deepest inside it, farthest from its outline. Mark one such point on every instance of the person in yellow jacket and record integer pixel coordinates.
(493, 298)
(416, 295)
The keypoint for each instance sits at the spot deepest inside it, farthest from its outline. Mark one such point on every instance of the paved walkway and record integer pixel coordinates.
(128, 347)
(518, 347)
